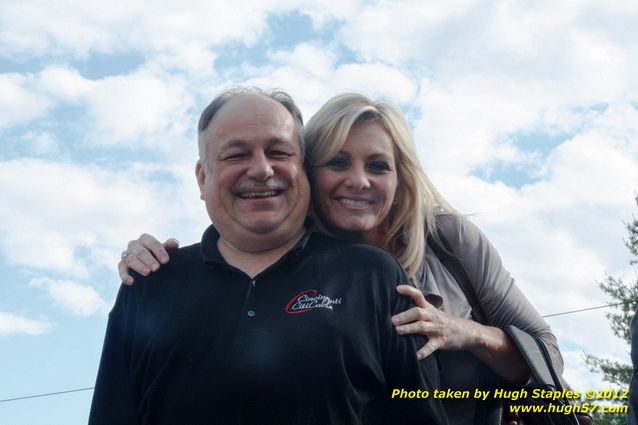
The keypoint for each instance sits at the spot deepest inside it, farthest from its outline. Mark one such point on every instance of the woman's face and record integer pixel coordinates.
(353, 192)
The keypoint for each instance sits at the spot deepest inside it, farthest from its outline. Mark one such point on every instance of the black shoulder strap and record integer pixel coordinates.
(446, 256)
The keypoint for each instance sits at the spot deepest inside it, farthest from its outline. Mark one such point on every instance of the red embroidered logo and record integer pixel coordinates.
(309, 299)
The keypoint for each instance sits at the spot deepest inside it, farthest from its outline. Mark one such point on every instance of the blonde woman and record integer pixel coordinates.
(368, 186)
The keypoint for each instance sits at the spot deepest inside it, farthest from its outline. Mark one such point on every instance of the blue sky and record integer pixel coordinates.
(525, 116)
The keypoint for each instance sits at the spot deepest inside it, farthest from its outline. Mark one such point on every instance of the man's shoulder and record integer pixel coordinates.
(182, 261)
(353, 253)
(185, 255)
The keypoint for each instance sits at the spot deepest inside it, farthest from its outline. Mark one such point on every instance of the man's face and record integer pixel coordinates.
(254, 184)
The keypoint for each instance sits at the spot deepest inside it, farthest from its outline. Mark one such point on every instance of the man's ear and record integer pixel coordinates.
(200, 173)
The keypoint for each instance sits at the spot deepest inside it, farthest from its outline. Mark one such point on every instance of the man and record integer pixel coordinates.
(262, 322)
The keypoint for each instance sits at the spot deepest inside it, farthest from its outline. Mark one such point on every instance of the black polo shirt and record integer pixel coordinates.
(307, 341)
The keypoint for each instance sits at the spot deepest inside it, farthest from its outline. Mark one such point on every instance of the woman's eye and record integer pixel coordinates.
(379, 167)
(337, 163)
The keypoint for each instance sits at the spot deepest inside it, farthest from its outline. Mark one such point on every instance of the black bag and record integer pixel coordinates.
(544, 376)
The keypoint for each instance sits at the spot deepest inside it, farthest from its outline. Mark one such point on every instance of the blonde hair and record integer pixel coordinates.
(412, 218)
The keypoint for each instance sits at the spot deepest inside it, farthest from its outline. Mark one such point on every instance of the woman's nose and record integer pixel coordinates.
(357, 178)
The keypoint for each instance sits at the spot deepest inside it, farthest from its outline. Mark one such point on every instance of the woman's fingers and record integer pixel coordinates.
(417, 296)
(148, 250)
(414, 314)
(122, 269)
(134, 263)
(420, 312)
(431, 330)
(430, 347)
(418, 327)
(144, 255)
(170, 243)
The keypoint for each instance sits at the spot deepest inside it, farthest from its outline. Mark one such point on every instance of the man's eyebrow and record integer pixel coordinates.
(277, 141)
(234, 143)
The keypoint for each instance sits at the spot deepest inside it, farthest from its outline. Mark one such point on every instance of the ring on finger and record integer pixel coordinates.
(125, 254)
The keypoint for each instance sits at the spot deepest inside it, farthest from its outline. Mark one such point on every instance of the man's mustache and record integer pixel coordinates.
(272, 183)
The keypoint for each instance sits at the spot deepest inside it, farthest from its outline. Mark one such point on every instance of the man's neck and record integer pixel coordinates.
(253, 263)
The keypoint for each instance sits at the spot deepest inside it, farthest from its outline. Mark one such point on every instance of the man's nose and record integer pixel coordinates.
(260, 168)
(357, 178)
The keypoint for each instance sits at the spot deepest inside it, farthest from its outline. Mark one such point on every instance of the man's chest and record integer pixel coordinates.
(270, 329)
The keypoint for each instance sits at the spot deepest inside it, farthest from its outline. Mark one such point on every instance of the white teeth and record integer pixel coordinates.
(250, 195)
(354, 203)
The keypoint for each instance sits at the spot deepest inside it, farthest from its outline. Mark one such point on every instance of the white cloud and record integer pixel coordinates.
(50, 211)
(42, 143)
(308, 59)
(80, 300)
(18, 103)
(178, 35)
(377, 79)
(461, 122)
(400, 31)
(310, 73)
(11, 324)
(146, 108)
(64, 82)
(578, 375)
(143, 108)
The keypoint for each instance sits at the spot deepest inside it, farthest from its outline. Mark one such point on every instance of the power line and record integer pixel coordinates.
(47, 394)
(91, 388)
(586, 309)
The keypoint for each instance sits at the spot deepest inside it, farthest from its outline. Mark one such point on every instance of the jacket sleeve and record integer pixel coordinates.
(500, 299)
(405, 372)
(113, 398)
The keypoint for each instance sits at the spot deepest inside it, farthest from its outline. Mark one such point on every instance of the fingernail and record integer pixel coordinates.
(155, 266)
(145, 271)
(163, 258)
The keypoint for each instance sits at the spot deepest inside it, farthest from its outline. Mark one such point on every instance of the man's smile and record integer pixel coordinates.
(259, 194)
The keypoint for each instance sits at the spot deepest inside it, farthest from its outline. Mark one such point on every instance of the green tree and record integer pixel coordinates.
(625, 300)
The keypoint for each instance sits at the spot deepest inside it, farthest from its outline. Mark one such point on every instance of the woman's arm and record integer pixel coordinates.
(446, 332)
(500, 300)
(144, 256)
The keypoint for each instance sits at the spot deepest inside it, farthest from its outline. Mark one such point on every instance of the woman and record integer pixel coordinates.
(368, 186)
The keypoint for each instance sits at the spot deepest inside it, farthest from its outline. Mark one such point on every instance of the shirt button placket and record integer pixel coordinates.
(251, 313)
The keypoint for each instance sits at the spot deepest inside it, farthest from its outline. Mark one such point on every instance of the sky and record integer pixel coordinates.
(525, 116)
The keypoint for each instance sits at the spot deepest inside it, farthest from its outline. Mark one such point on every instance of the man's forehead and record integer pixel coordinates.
(252, 109)
(252, 115)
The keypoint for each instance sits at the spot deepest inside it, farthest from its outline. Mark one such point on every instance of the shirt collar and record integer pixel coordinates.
(210, 251)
